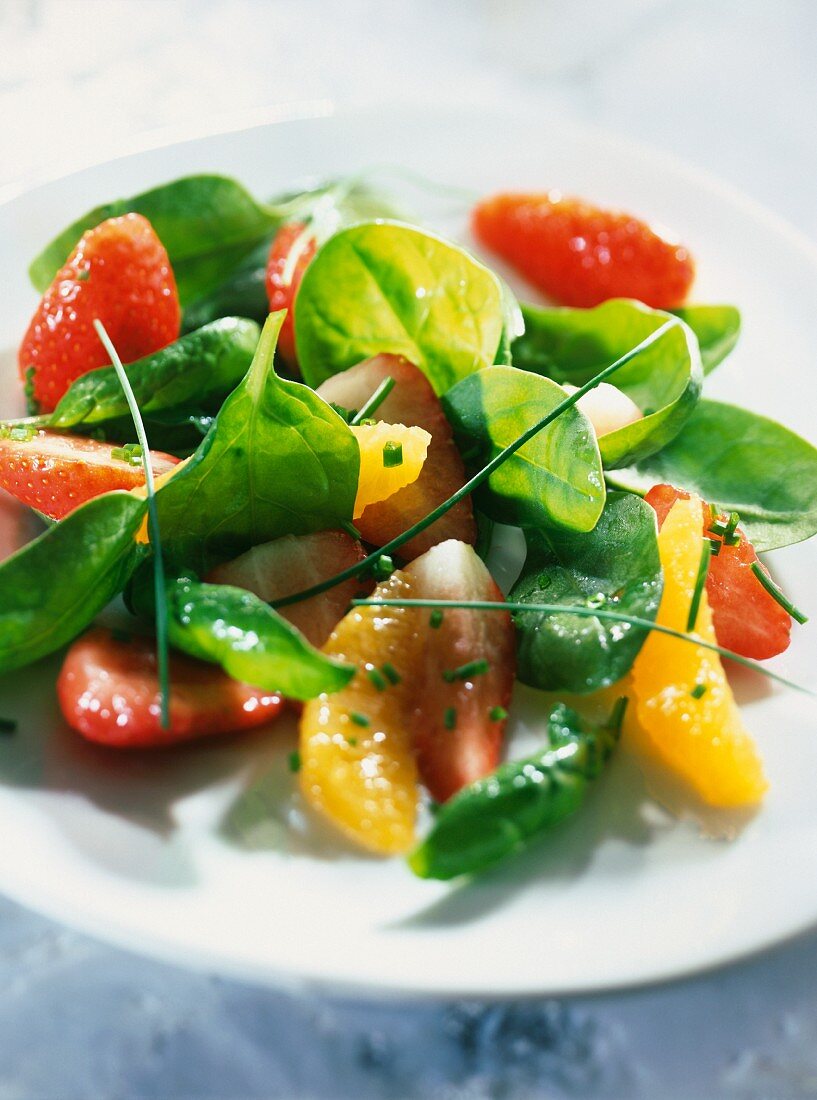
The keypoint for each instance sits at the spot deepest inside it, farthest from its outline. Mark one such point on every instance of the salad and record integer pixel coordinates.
(292, 437)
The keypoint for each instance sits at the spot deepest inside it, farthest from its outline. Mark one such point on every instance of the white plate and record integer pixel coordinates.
(199, 856)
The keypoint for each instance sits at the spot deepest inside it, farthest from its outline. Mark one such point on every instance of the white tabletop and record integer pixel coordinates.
(731, 86)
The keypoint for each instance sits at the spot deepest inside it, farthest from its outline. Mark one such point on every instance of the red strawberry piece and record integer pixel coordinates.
(108, 691)
(579, 254)
(119, 273)
(283, 280)
(462, 685)
(56, 473)
(293, 563)
(747, 619)
(412, 402)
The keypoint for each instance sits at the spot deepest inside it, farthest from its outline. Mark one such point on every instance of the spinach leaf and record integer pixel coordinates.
(571, 345)
(207, 223)
(51, 589)
(387, 287)
(251, 642)
(556, 479)
(743, 463)
(243, 293)
(615, 566)
(277, 461)
(497, 816)
(199, 367)
(717, 329)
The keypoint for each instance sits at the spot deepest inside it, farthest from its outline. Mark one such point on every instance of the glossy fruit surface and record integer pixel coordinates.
(108, 691)
(579, 254)
(748, 620)
(119, 274)
(283, 279)
(683, 702)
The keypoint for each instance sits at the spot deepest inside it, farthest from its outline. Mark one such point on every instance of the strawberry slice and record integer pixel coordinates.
(465, 672)
(108, 691)
(291, 564)
(282, 286)
(429, 697)
(56, 473)
(579, 254)
(747, 619)
(412, 402)
(119, 273)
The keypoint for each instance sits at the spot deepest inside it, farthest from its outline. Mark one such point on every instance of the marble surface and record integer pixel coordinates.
(727, 84)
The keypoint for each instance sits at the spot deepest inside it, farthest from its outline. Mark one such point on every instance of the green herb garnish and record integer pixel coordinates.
(162, 645)
(435, 619)
(392, 454)
(359, 719)
(497, 714)
(377, 678)
(450, 718)
(700, 582)
(777, 593)
(698, 691)
(374, 403)
(294, 761)
(391, 673)
(466, 671)
(383, 567)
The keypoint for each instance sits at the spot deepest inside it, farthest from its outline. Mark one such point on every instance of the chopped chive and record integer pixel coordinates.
(700, 582)
(435, 619)
(777, 593)
(383, 567)
(450, 718)
(713, 512)
(466, 671)
(375, 401)
(366, 423)
(8, 725)
(484, 473)
(392, 454)
(159, 589)
(596, 600)
(391, 673)
(84, 275)
(497, 714)
(343, 412)
(698, 691)
(359, 719)
(351, 741)
(377, 678)
(294, 761)
(715, 546)
(22, 433)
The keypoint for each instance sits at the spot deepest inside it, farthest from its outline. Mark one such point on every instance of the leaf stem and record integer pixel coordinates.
(162, 645)
(589, 612)
(482, 475)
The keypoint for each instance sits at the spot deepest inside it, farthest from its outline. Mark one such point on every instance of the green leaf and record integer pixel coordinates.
(387, 287)
(277, 461)
(572, 345)
(615, 566)
(743, 463)
(251, 642)
(207, 223)
(200, 367)
(51, 589)
(497, 816)
(717, 329)
(243, 293)
(554, 480)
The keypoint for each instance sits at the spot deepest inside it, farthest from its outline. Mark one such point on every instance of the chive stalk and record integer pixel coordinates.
(777, 594)
(375, 401)
(700, 582)
(162, 645)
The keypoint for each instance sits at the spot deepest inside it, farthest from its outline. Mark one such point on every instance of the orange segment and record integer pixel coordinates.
(142, 535)
(379, 481)
(357, 764)
(702, 740)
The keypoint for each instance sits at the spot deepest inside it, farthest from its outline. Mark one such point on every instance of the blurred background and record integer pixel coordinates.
(729, 85)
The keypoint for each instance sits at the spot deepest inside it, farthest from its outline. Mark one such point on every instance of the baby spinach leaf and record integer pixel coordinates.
(554, 480)
(207, 223)
(497, 816)
(571, 345)
(717, 329)
(277, 461)
(743, 463)
(243, 293)
(251, 642)
(615, 566)
(51, 589)
(388, 287)
(199, 367)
